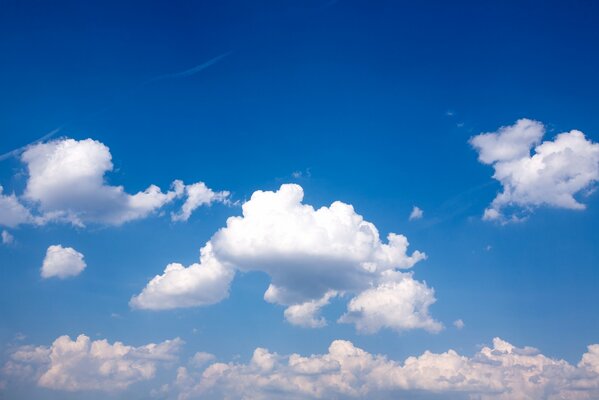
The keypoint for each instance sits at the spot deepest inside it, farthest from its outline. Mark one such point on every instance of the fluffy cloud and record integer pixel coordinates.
(83, 364)
(199, 284)
(66, 182)
(401, 303)
(62, 262)
(552, 176)
(12, 212)
(198, 194)
(311, 256)
(502, 371)
(416, 213)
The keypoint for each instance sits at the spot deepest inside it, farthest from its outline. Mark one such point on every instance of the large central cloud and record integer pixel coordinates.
(311, 255)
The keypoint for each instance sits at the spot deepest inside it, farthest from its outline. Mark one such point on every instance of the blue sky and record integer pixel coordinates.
(373, 105)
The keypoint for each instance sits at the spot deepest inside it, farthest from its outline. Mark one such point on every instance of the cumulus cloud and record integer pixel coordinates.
(501, 371)
(198, 195)
(12, 212)
(311, 255)
(62, 262)
(66, 183)
(416, 213)
(553, 175)
(83, 364)
(203, 283)
(7, 238)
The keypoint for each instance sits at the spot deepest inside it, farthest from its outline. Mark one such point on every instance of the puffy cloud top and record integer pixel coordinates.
(311, 256)
(499, 372)
(62, 262)
(552, 176)
(66, 182)
(83, 364)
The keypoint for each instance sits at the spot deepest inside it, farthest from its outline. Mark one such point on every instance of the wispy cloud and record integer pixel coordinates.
(191, 71)
(17, 152)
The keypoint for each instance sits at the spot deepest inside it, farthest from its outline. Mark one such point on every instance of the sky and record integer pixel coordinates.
(299, 199)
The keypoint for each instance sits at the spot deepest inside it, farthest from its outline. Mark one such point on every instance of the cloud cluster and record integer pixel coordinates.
(553, 175)
(501, 371)
(311, 255)
(83, 364)
(66, 182)
(62, 262)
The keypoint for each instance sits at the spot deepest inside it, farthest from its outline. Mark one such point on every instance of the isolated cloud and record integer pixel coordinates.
(553, 175)
(7, 238)
(62, 262)
(83, 364)
(416, 213)
(502, 371)
(310, 255)
(66, 183)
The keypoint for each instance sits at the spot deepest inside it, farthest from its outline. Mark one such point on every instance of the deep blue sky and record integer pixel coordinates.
(374, 102)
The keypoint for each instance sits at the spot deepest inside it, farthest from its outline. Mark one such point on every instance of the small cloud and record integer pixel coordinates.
(301, 174)
(7, 238)
(458, 323)
(449, 113)
(488, 247)
(460, 124)
(62, 262)
(416, 213)
(116, 315)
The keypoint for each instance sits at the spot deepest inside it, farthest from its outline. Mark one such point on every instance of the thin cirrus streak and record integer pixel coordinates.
(182, 74)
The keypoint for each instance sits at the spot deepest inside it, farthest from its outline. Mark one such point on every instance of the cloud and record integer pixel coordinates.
(501, 371)
(311, 255)
(7, 238)
(198, 195)
(62, 262)
(553, 175)
(400, 304)
(83, 364)
(459, 324)
(66, 183)
(197, 285)
(12, 212)
(416, 213)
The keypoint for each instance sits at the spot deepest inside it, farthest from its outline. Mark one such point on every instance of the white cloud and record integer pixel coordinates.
(499, 372)
(310, 255)
(62, 262)
(553, 175)
(416, 213)
(66, 180)
(199, 284)
(198, 195)
(66, 183)
(458, 323)
(12, 212)
(401, 303)
(7, 238)
(83, 364)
